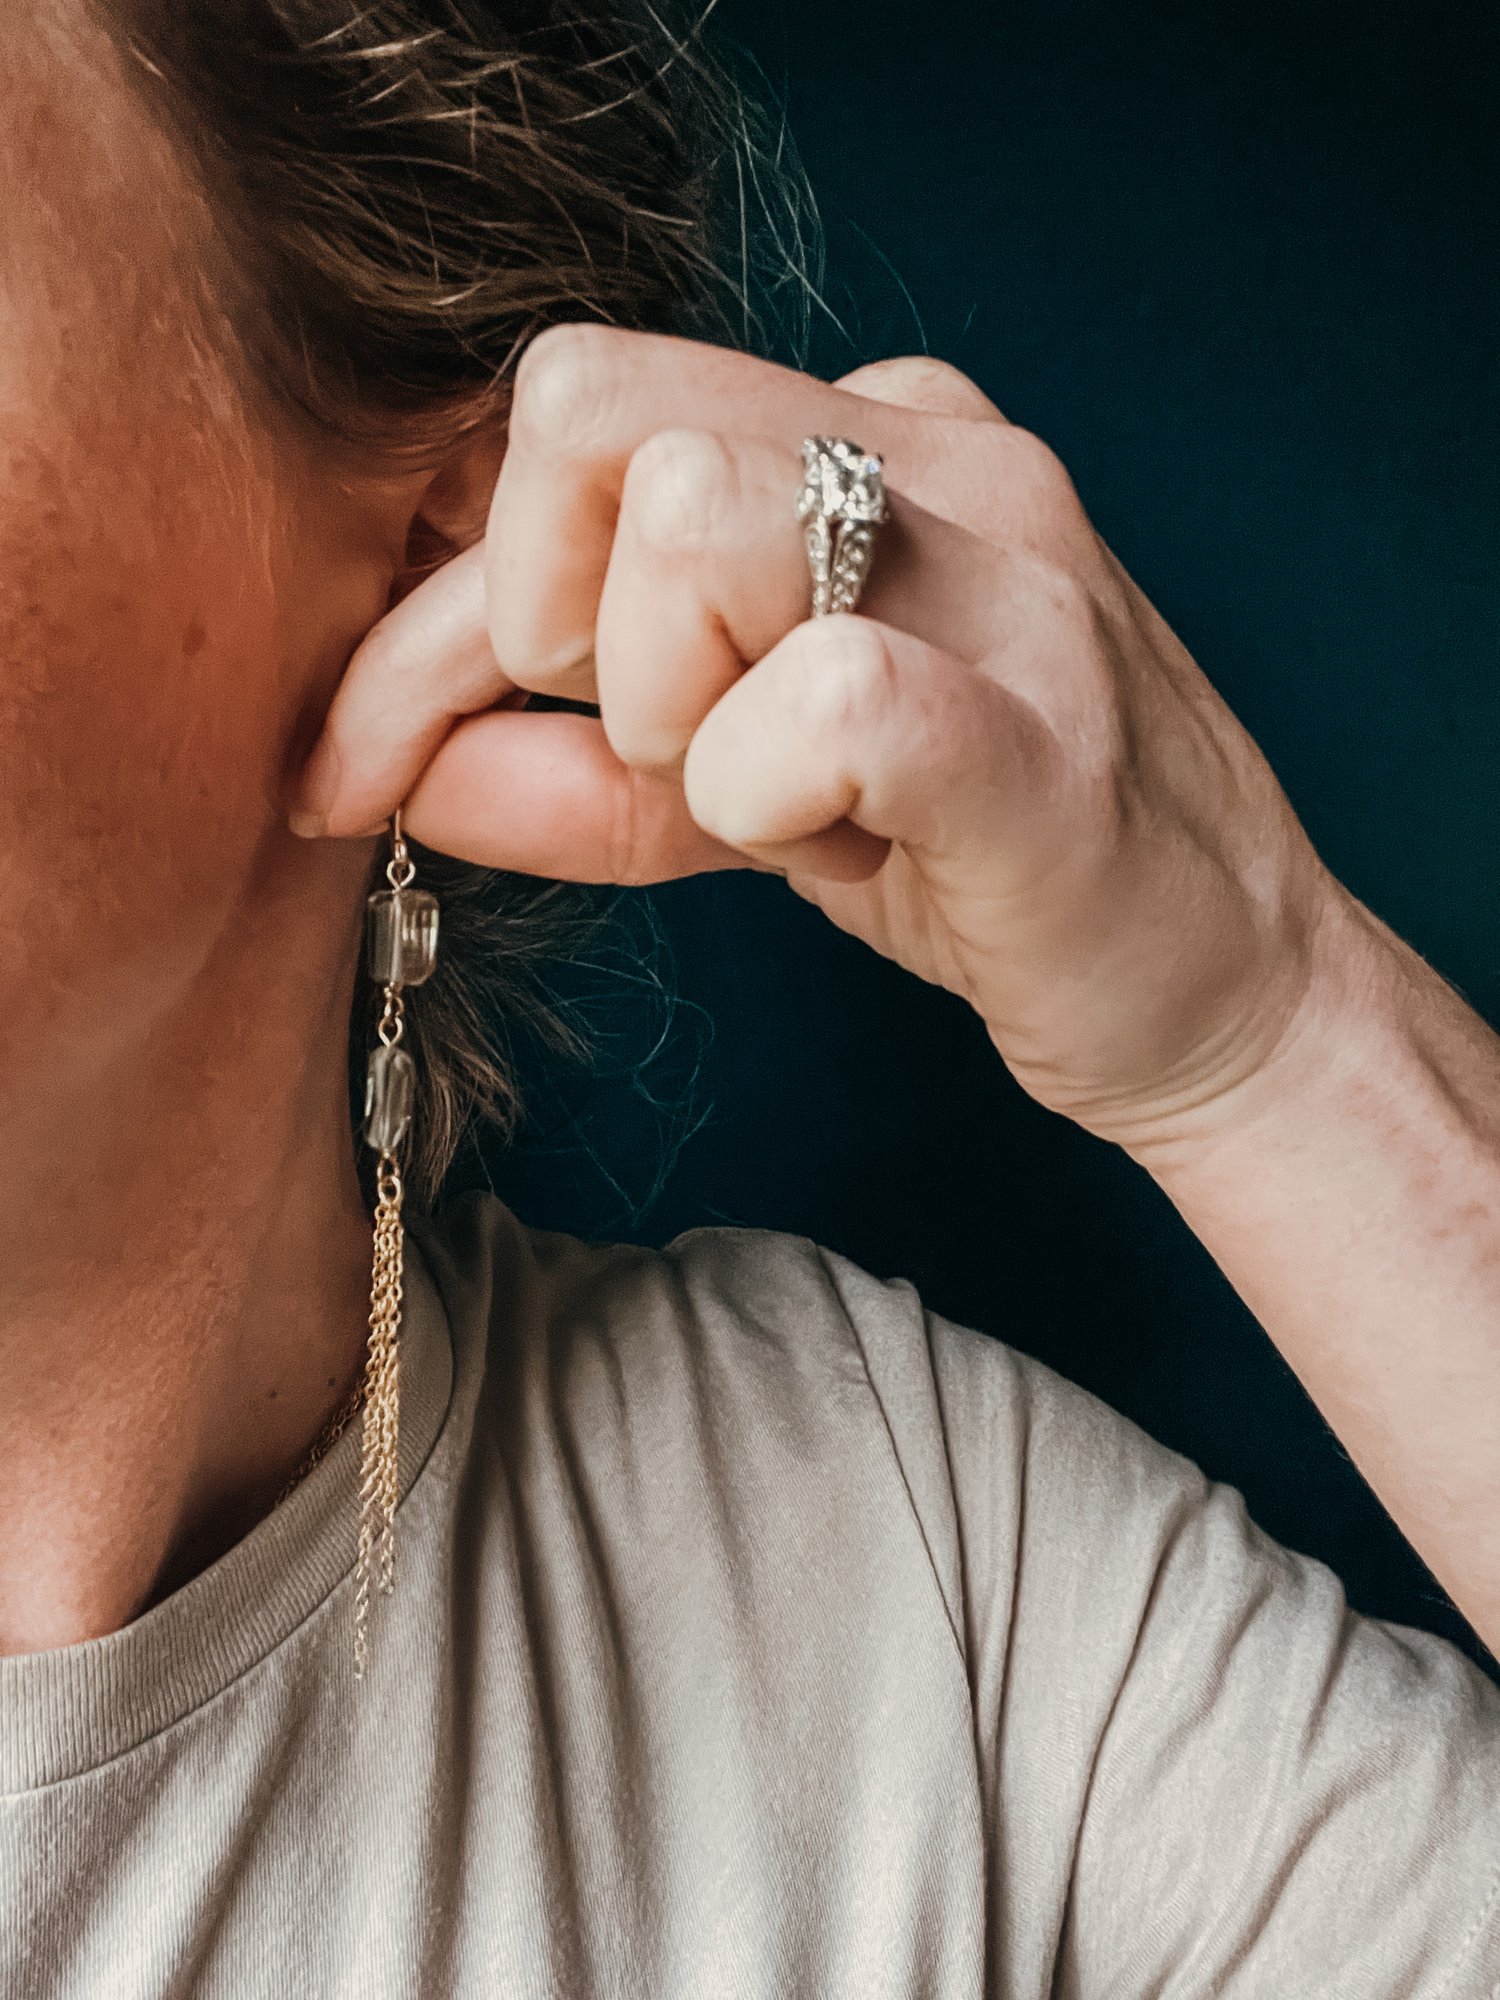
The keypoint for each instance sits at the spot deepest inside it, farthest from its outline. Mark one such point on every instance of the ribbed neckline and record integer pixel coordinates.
(66, 1712)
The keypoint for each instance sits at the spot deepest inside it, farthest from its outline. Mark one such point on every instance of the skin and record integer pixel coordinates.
(184, 1254)
(1004, 772)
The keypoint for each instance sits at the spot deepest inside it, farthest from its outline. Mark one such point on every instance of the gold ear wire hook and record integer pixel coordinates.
(400, 870)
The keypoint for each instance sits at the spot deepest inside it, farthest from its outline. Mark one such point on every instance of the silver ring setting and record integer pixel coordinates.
(840, 503)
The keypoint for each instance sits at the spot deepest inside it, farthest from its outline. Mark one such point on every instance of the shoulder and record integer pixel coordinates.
(750, 1309)
(772, 1367)
(756, 1321)
(759, 1364)
(776, 1373)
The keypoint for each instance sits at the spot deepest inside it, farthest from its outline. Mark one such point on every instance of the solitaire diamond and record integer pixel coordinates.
(840, 482)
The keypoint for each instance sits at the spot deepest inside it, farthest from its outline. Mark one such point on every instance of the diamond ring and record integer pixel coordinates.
(840, 504)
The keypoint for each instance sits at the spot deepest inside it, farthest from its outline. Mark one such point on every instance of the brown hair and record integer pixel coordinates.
(408, 191)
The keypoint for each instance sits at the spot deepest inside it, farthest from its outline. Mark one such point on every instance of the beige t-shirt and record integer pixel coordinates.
(757, 1636)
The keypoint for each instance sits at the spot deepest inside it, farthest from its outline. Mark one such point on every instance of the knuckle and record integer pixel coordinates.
(846, 672)
(1065, 623)
(647, 744)
(564, 387)
(674, 489)
(921, 379)
(1064, 598)
(1067, 626)
(1036, 473)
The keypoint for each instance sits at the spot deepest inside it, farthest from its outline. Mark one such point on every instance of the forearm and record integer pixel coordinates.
(1352, 1197)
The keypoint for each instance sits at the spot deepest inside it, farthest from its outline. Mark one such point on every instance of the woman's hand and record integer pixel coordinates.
(1007, 774)
(1004, 771)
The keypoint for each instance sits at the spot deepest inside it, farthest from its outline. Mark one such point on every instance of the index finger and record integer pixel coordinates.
(424, 666)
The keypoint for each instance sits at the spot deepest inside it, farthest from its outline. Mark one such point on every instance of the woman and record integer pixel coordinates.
(753, 1631)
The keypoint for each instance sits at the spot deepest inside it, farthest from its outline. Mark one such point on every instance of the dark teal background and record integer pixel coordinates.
(1237, 264)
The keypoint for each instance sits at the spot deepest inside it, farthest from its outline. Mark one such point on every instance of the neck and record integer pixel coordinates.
(184, 1270)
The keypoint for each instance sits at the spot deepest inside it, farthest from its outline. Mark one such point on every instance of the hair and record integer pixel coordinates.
(407, 191)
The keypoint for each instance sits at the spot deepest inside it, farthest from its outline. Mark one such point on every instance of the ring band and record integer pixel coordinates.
(840, 503)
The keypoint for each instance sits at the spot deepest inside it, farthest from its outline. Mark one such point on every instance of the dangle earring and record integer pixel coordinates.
(402, 935)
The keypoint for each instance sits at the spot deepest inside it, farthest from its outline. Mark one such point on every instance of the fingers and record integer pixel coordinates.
(543, 794)
(709, 571)
(851, 721)
(426, 663)
(586, 398)
(847, 736)
(674, 554)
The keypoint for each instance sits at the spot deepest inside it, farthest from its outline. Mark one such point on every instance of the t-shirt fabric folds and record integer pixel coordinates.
(757, 1635)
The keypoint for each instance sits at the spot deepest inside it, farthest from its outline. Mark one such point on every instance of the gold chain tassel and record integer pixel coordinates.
(380, 1452)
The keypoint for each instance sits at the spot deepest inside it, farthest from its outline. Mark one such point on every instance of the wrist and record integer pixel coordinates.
(1349, 1011)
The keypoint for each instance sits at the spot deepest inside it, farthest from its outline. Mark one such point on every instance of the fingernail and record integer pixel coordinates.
(316, 791)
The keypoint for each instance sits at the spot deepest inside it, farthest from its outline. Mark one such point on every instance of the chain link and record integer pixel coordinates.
(379, 1471)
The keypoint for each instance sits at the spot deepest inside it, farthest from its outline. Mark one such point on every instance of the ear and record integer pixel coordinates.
(449, 506)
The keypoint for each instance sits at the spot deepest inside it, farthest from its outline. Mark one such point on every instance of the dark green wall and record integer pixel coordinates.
(1237, 264)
